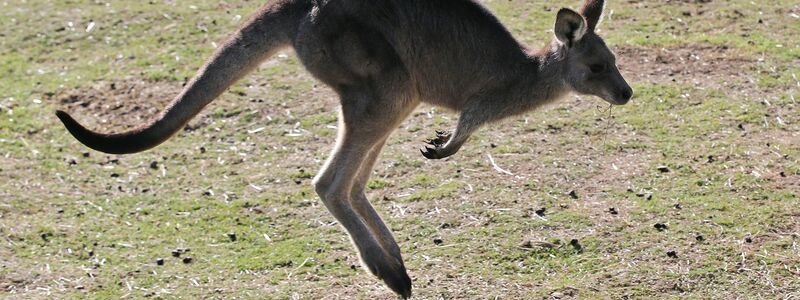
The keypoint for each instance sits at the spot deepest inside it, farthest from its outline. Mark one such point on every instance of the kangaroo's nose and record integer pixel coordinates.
(626, 94)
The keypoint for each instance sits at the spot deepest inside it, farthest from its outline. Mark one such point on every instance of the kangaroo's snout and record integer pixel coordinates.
(623, 96)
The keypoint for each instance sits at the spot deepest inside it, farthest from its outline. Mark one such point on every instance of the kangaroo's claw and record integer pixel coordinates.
(389, 269)
(430, 153)
(398, 281)
(441, 138)
(438, 149)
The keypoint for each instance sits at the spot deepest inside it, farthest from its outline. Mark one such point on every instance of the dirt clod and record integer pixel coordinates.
(160, 261)
(232, 236)
(613, 211)
(154, 165)
(179, 252)
(187, 260)
(576, 245)
(661, 226)
(541, 212)
(438, 241)
(573, 194)
(672, 254)
(663, 169)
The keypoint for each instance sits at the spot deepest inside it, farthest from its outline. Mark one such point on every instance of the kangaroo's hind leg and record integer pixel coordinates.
(361, 202)
(367, 119)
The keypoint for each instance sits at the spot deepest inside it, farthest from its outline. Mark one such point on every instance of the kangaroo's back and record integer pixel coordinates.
(450, 48)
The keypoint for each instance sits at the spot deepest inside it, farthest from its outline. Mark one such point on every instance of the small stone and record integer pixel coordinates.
(699, 238)
(748, 240)
(438, 241)
(232, 236)
(160, 261)
(678, 206)
(86, 154)
(187, 260)
(672, 254)
(663, 169)
(613, 211)
(660, 226)
(154, 165)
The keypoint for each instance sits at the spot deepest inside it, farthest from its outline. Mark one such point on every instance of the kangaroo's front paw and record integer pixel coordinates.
(437, 151)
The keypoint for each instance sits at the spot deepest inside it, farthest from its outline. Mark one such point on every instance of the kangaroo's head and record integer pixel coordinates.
(589, 66)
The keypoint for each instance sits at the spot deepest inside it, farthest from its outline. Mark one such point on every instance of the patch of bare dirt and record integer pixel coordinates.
(690, 64)
(116, 105)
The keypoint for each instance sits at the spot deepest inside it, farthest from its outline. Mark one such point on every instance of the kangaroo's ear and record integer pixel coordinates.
(592, 10)
(570, 26)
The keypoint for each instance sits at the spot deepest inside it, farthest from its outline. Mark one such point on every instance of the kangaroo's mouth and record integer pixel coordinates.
(615, 100)
(620, 98)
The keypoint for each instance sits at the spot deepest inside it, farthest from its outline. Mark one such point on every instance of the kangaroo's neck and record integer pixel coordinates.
(544, 80)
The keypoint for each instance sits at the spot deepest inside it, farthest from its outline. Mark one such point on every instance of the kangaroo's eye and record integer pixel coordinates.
(597, 68)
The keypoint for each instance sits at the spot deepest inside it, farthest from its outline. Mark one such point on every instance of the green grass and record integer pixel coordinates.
(80, 224)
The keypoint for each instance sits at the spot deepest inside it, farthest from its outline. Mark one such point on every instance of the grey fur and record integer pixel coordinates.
(383, 58)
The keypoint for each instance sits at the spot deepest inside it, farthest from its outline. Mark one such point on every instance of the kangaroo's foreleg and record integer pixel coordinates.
(468, 122)
(366, 121)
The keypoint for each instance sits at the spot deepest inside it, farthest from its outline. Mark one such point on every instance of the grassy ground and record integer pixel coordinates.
(690, 191)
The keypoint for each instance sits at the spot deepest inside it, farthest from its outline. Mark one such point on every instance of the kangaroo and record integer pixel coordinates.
(383, 58)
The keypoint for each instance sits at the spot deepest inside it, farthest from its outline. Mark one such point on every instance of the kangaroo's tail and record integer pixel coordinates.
(273, 27)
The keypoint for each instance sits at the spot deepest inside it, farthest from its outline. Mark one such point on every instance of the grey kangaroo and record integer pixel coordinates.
(383, 58)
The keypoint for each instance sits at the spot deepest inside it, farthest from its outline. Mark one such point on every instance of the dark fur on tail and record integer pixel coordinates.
(261, 36)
